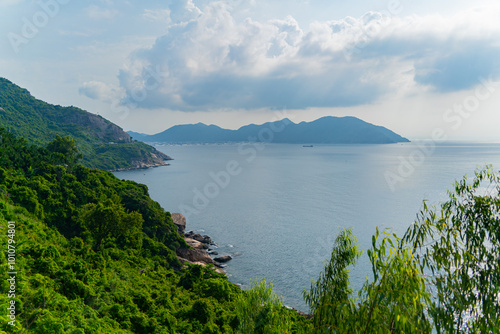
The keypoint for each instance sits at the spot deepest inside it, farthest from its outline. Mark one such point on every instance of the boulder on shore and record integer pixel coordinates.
(194, 255)
(179, 221)
(195, 244)
(223, 258)
(197, 253)
(202, 238)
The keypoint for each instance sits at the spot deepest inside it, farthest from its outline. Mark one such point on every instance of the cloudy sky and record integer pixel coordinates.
(412, 66)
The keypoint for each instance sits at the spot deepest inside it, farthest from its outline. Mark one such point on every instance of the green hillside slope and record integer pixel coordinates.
(103, 144)
(94, 254)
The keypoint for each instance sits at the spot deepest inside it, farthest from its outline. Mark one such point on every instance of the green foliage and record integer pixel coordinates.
(64, 150)
(101, 143)
(26, 197)
(109, 219)
(397, 298)
(64, 286)
(202, 310)
(192, 276)
(329, 297)
(460, 246)
(119, 155)
(260, 310)
(394, 301)
(97, 255)
(217, 288)
(58, 195)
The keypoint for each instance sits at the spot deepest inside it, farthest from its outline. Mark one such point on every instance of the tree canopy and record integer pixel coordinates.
(109, 219)
(64, 150)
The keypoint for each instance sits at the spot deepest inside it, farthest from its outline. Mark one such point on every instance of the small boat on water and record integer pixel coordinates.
(307, 146)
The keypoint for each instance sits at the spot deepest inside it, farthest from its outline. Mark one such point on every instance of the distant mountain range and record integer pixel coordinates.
(326, 130)
(103, 144)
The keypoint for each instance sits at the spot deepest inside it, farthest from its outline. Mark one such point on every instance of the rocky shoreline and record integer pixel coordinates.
(202, 251)
(155, 159)
(141, 166)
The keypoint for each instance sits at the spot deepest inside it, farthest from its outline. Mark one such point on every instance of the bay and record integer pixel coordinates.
(277, 208)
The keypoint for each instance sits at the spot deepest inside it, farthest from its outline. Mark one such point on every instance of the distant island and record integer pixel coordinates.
(325, 130)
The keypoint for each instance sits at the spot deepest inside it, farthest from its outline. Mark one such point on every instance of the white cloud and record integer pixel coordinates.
(183, 11)
(97, 90)
(238, 56)
(211, 61)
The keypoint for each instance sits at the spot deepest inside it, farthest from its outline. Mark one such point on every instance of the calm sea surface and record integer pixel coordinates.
(277, 208)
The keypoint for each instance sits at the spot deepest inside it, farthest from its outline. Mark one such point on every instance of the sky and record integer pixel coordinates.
(415, 67)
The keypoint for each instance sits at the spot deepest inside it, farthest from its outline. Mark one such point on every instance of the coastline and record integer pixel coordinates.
(202, 254)
(141, 166)
(201, 251)
(152, 159)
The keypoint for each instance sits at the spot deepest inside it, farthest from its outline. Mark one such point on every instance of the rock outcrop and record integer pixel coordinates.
(201, 238)
(195, 244)
(180, 221)
(199, 244)
(145, 160)
(194, 255)
(223, 259)
(100, 127)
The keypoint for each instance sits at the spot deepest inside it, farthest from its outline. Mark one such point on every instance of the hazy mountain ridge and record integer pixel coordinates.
(325, 130)
(104, 144)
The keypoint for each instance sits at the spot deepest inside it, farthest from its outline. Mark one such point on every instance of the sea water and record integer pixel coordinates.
(277, 208)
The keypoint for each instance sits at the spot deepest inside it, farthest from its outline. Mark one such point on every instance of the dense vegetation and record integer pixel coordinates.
(102, 144)
(95, 254)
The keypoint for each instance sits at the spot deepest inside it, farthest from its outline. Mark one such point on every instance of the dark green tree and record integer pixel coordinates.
(109, 219)
(64, 150)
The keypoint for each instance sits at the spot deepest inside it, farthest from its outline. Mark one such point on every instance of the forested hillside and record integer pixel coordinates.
(94, 254)
(103, 144)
